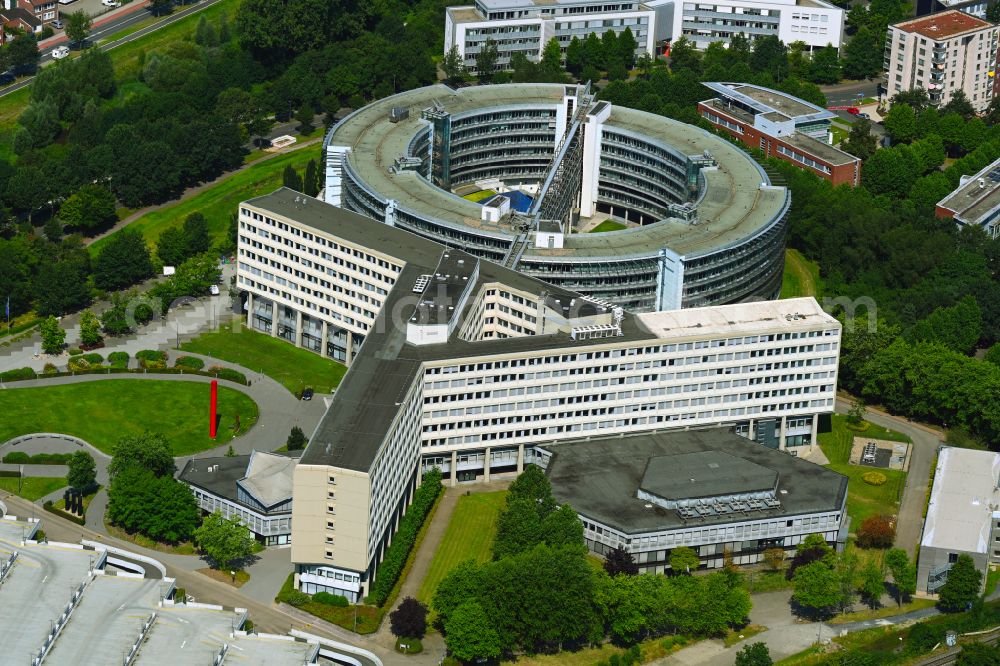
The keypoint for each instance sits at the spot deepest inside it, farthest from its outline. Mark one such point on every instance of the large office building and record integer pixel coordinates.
(976, 202)
(469, 366)
(705, 489)
(943, 54)
(526, 26)
(781, 126)
(963, 516)
(815, 22)
(705, 226)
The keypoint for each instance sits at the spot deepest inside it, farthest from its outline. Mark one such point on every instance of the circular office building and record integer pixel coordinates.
(532, 176)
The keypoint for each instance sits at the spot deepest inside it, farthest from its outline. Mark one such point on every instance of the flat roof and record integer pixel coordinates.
(821, 149)
(768, 100)
(943, 25)
(185, 635)
(218, 474)
(600, 478)
(963, 500)
(733, 206)
(970, 203)
(704, 474)
(743, 318)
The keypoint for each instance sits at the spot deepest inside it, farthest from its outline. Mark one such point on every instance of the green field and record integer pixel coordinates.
(801, 276)
(863, 500)
(32, 487)
(476, 197)
(218, 202)
(294, 368)
(101, 412)
(469, 537)
(608, 225)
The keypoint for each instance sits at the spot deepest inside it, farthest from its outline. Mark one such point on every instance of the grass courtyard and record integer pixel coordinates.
(801, 276)
(469, 537)
(863, 499)
(607, 225)
(293, 368)
(32, 487)
(102, 412)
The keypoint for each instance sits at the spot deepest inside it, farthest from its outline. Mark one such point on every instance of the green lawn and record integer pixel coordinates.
(217, 203)
(294, 368)
(101, 412)
(801, 276)
(863, 500)
(469, 537)
(476, 197)
(32, 487)
(608, 225)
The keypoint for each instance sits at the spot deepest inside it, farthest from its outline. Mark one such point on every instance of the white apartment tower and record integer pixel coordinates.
(943, 53)
(469, 367)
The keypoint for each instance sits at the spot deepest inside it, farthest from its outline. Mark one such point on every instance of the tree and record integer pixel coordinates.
(90, 329)
(90, 207)
(196, 234)
(41, 124)
(172, 246)
(904, 574)
(53, 335)
(310, 182)
(960, 104)
(61, 285)
(860, 141)
(226, 541)
(486, 61)
(123, 261)
(775, 558)
(409, 620)
(890, 171)
(816, 587)
(470, 634)
(453, 65)
(876, 532)
(755, 654)
(872, 583)
(825, 66)
(78, 25)
(550, 66)
(82, 471)
(978, 654)
(149, 451)
(23, 53)
(863, 54)
(962, 587)
(683, 559)
(915, 98)
(856, 414)
(620, 561)
(160, 507)
(296, 439)
(304, 116)
(290, 178)
(901, 123)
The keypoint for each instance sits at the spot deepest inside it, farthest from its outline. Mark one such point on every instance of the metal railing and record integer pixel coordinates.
(143, 632)
(58, 625)
(7, 565)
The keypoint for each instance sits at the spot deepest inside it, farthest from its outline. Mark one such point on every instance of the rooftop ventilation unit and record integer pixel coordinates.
(421, 284)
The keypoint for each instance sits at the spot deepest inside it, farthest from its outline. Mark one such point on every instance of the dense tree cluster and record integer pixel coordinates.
(540, 593)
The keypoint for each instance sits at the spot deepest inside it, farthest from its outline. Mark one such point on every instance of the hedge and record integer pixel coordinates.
(48, 506)
(93, 358)
(330, 599)
(17, 374)
(22, 458)
(222, 373)
(402, 543)
(118, 359)
(151, 359)
(192, 362)
(10, 473)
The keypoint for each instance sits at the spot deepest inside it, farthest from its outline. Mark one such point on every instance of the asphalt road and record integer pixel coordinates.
(846, 94)
(112, 27)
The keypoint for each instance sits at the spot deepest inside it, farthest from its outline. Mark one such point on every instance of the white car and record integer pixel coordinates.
(60, 52)
(110, 3)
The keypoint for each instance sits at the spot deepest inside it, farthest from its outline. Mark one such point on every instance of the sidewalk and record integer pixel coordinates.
(105, 18)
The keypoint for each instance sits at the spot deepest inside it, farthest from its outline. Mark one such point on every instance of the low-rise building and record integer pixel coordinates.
(963, 516)
(256, 488)
(976, 202)
(710, 490)
(781, 126)
(943, 53)
(20, 20)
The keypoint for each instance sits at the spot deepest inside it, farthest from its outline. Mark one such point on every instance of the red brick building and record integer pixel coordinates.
(781, 126)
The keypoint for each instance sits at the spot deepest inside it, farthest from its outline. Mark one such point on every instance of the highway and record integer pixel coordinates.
(108, 29)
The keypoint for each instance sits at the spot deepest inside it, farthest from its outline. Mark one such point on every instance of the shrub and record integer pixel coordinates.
(874, 478)
(330, 599)
(17, 458)
(189, 362)
(118, 359)
(9, 473)
(22, 458)
(294, 598)
(17, 374)
(151, 359)
(48, 506)
(50, 369)
(74, 351)
(876, 532)
(232, 375)
(78, 364)
(93, 358)
(40, 535)
(153, 365)
(406, 536)
(248, 626)
(180, 595)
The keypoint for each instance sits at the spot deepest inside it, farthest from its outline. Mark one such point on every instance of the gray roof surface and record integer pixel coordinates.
(266, 476)
(766, 100)
(221, 482)
(963, 500)
(600, 478)
(701, 474)
(971, 203)
(733, 207)
(269, 477)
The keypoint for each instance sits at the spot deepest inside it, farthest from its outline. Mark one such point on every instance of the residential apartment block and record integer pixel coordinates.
(815, 22)
(781, 126)
(976, 202)
(468, 366)
(526, 26)
(963, 516)
(943, 53)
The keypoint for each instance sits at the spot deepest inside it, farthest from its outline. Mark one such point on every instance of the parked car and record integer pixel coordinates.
(111, 3)
(307, 394)
(57, 24)
(213, 289)
(60, 52)
(6, 78)
(865, 116)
